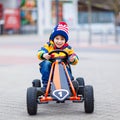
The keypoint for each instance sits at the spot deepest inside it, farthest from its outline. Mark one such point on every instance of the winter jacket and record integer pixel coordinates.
(50, 46)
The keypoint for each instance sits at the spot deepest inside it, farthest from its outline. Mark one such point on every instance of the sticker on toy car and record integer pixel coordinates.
(60, 94)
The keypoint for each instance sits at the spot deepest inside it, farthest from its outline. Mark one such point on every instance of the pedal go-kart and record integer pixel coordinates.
(60, 88)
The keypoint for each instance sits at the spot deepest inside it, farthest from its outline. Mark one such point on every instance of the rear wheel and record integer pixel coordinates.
(36, 83)
(88, 99)
(32, 101)
(81, 85)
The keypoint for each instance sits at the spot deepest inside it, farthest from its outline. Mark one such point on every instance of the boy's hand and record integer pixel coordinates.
(46, 56)
(72, 58)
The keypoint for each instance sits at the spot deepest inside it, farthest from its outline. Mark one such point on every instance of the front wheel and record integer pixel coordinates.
(88, 99)
(32, 101)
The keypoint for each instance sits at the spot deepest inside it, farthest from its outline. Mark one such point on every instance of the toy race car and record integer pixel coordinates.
(60, 88)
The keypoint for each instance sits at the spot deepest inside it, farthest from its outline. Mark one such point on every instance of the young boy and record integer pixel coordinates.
(58, 40)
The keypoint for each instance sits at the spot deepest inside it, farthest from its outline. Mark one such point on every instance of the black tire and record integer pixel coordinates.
(88, 99)
(36, 83)
(32, 101)
(81, 85)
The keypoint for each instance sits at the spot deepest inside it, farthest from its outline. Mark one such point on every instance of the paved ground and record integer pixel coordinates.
(99, 65)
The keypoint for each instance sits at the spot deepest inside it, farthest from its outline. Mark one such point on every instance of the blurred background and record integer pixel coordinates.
(94, 31)
(89, 20)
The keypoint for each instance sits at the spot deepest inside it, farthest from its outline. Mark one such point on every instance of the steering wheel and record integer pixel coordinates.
(64, 58)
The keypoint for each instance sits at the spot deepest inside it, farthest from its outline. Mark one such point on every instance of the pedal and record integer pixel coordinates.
(39, 102)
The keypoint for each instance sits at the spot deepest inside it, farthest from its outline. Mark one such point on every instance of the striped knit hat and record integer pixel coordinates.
(60, 29)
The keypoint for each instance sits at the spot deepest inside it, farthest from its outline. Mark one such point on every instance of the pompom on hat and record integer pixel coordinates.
(60, 29)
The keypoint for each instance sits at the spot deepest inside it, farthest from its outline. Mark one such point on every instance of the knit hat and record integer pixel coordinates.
(60, 29)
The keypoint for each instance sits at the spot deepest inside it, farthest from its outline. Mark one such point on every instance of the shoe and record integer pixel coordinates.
(76, 85)
(41, 91)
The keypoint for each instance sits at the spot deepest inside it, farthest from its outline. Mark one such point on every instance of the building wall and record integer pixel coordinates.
(46, 19)
(9, 3)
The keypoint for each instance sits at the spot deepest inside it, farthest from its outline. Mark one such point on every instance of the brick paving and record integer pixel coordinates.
(19, 66)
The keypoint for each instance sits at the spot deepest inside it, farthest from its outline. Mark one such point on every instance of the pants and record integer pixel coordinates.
(45, 68)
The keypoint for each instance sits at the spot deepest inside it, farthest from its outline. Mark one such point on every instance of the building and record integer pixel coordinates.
(39, 16)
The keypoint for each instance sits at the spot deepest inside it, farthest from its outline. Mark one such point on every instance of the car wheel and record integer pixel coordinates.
(36, 83)
(88, 99)
(32, 101)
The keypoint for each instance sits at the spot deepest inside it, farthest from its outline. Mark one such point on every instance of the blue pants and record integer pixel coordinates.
(45, 68)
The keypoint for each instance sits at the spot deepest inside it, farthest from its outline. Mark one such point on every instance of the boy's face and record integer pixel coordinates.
(59, 41)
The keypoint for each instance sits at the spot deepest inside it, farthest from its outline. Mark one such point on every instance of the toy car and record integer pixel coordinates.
(60, 88)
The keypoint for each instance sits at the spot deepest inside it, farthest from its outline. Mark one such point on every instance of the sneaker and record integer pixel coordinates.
(41, 91)
(76, 85)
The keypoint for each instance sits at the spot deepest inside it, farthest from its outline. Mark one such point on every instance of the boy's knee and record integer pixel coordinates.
(45, 63)
(45, 67)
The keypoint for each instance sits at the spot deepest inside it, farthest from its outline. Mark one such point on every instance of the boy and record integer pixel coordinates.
(58, 40)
